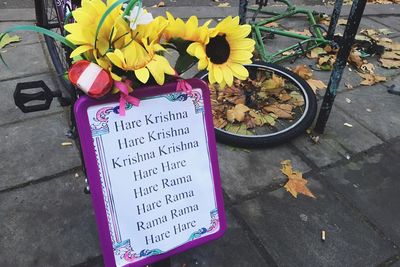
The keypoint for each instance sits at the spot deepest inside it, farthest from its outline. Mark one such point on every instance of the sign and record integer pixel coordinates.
(153, 173)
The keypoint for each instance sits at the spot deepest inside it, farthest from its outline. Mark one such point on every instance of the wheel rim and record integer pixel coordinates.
(286, 76)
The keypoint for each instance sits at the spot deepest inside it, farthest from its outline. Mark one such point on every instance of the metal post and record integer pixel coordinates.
(334, 19)
(242, 11)
(356, 12)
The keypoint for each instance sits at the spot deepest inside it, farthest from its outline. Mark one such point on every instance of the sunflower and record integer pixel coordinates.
(143, 60)
(225, 51)
(82, 33)
(189, 31)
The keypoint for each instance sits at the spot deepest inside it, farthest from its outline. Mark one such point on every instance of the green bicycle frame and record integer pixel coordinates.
(305, 44)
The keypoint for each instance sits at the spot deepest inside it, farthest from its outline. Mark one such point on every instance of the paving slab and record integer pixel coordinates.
(290, 229)
(27, 37)
(383, 118)
(47, 224)
(23, 60)
(11, 112)
(244, 172)
(32, 150)
(233, 249)
(390, 21)
(372, 184)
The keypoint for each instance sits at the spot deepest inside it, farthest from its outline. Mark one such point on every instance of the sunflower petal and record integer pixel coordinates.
(228, 76)
(142, 75)
(218, 74)
(239, 71)
(79, 50)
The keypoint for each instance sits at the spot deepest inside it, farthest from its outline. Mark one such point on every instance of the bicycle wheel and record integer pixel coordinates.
(59, 54)
(271, 107)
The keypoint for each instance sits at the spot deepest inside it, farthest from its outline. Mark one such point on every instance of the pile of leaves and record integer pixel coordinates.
(253, 104)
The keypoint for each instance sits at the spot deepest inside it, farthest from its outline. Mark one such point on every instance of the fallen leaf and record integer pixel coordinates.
(348, 86)
(368, 68)
(316, 84)
(391, 55)
(303, 71)
(371, 79)
(283, 111)
(342, 21)
(161, 4)
(7, 39)
(297, 99)
(385, 31)
(272, 24)
(296, 183)
(224, 5)
(390, 64)
(316, 52)
(275, 82)
(237, 113)
(355, 58)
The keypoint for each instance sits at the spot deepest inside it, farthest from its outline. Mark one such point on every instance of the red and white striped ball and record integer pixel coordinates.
(90, 78)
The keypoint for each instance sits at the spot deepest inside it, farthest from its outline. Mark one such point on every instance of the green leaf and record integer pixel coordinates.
(184, 61)
(7, 39)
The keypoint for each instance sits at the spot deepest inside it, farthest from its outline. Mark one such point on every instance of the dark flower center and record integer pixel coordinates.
(218, 49)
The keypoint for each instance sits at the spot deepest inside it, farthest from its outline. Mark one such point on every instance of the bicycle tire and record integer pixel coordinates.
(276, 138)
(59, 54)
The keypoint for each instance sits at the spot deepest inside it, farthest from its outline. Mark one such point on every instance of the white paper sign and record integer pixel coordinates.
(155, 173)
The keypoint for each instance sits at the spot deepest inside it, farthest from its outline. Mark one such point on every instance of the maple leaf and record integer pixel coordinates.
(316, 52)
(303, 71)
(296, 183)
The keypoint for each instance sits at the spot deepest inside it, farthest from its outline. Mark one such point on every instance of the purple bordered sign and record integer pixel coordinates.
(153, 173)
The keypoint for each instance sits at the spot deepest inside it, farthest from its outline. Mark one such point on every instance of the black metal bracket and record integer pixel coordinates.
(41, 94)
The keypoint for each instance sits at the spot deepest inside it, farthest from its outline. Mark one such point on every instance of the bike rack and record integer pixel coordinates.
(356, 12)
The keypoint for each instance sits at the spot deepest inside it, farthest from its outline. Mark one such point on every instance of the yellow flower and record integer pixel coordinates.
(142, 60)
(225, 52)
(189, 31)
(83, 31)
(152, 31)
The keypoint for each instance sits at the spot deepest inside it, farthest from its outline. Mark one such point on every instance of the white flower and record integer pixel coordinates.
(139, 17)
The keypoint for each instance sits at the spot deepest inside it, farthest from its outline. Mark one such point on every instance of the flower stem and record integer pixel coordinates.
(129, 7)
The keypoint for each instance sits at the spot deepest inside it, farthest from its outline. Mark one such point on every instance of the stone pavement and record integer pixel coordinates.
(47, 220)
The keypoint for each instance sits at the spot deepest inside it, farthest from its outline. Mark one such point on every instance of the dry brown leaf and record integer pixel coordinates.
(316, 52)
(391, 55)
(303, 71)
(224, 5)
(219, 122)
(237, 113)
(272, 24)
(276, 82)
(370, 32)
(368, 68)
(355, 58)
(316, 84)
(371, 79)
(390, 64)
(296, 183)
(283, 111)
(297, 99)
(161, 4)
(342, 21)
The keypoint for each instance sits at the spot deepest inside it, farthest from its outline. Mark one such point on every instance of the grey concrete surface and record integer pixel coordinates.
(235, 165)
(47, 224)
(291, 230)
(352, 171)
(33, 149)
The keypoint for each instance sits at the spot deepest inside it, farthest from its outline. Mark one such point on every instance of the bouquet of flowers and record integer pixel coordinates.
(128, 45)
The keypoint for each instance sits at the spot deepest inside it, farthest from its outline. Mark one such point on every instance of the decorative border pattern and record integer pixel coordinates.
(214, 226)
